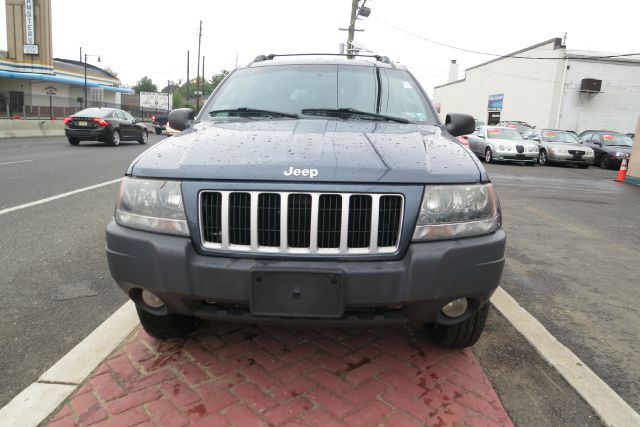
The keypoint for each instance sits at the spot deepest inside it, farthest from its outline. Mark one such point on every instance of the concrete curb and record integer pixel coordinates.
(36, 402)
(610, 407)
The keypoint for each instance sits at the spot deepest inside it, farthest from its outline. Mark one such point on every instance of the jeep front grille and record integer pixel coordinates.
(314, 223)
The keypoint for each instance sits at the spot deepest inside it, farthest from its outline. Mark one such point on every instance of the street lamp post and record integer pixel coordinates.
(85, 77)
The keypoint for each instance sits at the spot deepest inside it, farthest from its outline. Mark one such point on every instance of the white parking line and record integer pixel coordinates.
(610, 407)
(17, 161)
(59, 196)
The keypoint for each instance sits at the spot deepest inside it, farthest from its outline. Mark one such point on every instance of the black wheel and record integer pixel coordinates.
(167, 326)
(543, 159)
(460, 335)
(73, 141)
(115, 138)
(605, 162)
(488, 155)
(158, 131)
(144, 137)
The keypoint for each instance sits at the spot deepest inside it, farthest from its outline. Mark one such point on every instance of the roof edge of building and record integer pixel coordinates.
(557, 44)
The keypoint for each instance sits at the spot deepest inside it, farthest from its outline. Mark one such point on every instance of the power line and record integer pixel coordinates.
(494, 54)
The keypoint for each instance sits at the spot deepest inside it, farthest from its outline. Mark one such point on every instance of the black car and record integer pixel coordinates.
(609, 147)
(300, 195)
(107, 125)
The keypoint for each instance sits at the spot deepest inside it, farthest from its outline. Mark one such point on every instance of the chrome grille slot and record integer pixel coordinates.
(210, 211)
(239, 218)
(269, 219)
(299, 220)
(389, 222)
(329, 220)
(359, 221)
(300, 223)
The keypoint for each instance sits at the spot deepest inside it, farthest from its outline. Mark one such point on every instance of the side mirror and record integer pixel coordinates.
(599, 144)
(181, 118)
(460, 124)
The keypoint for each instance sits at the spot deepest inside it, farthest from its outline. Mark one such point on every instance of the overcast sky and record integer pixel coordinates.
(145, 37)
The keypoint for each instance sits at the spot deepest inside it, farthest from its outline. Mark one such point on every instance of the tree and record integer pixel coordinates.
(110, 71)
(145, 84)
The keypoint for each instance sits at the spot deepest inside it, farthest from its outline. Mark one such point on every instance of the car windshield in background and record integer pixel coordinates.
(558, 136)
(617, 140)
(290, 89)
(503, 133)
(92, 112)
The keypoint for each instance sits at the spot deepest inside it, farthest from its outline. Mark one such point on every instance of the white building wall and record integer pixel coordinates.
(617, 108)
(531, 88)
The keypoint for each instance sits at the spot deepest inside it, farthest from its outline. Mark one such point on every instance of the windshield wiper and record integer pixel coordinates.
(341, 112)
(247, 111)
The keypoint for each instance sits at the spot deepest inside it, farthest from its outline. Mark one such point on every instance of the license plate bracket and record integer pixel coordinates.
(83, 124)
(297, 294)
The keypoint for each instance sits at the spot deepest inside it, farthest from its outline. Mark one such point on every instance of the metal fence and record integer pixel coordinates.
(19, 105)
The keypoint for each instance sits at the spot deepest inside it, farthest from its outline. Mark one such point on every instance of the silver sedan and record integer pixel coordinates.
(494, 143)
(558, 146)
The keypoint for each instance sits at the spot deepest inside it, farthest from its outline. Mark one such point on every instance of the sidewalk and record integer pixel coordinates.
(249, 376)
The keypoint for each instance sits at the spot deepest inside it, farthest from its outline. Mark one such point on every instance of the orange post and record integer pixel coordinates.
(623, 171)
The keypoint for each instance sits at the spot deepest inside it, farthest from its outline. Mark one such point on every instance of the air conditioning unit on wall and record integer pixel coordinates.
(590, 86)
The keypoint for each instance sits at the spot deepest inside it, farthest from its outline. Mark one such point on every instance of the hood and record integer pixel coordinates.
(613, 149)
(568, 146)
(310, 150)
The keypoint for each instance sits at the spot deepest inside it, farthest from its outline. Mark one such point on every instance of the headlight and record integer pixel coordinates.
(558, 150)
(451, 211)
(620, 154)
(533, 149)
(152, 205)
(501, 148)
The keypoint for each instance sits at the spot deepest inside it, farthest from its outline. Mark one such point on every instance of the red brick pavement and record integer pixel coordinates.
(249, 376)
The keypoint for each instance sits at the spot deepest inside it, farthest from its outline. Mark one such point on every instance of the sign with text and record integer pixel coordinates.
(156, 100)
(495, 102)
(31, 49)
(29, 28)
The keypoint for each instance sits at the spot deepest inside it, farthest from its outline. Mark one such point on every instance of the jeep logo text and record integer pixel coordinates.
(311, 173)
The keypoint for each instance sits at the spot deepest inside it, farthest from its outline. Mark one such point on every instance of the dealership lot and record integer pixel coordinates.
(572, 263)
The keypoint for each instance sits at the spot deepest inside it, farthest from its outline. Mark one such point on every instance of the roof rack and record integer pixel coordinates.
(380, 58)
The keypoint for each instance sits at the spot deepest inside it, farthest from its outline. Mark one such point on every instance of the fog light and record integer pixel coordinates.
(455, 308)
(151, 299)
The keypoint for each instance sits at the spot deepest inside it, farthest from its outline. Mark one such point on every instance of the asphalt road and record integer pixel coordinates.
(573, 246)
(54, 279)
(572, 262)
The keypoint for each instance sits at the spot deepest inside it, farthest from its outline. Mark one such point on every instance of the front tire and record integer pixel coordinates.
(73, 141)
(488, 155)
(543, 158)
(158, 131)
(605, 162)
(167, 326)
(144, 137)
(460, 335)
(115, 138)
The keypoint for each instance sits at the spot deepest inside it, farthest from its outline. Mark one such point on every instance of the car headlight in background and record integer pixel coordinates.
(620, 154)
(558, 150)
(152, 205)
(533, 149)
(451, 211)
(500, 147)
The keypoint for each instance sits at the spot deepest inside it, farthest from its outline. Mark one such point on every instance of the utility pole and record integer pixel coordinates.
(187, 77)
(204, 79)
(198, 74)
(80, 54)
(352, 26)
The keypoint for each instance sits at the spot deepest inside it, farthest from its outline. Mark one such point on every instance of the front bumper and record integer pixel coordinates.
(569, 158)
(513, 156)
(375, 291)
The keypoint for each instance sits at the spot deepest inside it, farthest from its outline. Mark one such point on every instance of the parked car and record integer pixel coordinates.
(521, 127)
(159, 122)
(296, 196)
(559, 146)
(494, 143)
(106, 125)
(609, 147)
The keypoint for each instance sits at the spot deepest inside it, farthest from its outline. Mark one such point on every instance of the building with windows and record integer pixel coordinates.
(562, 88)
(35, 84)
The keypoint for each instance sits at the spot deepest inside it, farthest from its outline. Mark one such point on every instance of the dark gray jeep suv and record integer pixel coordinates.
(311, 189)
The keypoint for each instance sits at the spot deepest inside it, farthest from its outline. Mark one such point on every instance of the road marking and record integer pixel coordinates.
(39, 400)
(18, 161)
(59, 196)
(610, 407)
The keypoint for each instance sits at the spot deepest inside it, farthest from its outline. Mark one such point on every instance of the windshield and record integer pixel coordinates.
(503, 133)
(293, 88)
(559, 136)
(619, 140)
(92, 112)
